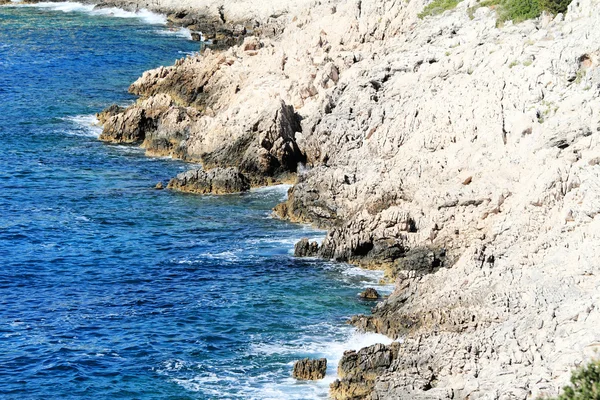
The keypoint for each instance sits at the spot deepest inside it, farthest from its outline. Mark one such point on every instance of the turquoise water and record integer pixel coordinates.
(110, 289)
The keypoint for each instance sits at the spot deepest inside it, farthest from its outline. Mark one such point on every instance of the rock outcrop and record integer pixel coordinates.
(214, 181)
(184, 113)
(458, 155)
(310, 369)
(358, 370)
(305, 248)
(369, 294)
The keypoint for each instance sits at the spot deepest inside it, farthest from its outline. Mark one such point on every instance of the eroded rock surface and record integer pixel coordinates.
(214, 181)
(310, 369)
(460, 156)
(358, 370)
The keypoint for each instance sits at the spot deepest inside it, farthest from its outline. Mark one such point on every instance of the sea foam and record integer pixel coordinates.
(146, 16)
(85, 125)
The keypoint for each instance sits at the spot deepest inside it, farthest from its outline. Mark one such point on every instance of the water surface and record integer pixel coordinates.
(110, 289)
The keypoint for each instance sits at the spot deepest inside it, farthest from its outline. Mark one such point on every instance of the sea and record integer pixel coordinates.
(111, 289)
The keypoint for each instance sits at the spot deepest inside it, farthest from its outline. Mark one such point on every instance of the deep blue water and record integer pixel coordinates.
(110, 289)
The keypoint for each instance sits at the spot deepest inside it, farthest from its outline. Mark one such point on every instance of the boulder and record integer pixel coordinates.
(304, 248)
(358, 370)
(214, 181)
(369, 294)
(310, 369)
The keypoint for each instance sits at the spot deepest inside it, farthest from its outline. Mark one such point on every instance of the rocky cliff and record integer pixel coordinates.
(461, 156)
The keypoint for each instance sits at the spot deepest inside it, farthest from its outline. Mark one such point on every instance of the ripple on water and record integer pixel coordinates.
(109, 288)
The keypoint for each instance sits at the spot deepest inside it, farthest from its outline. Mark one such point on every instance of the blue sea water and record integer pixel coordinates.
(110, 289)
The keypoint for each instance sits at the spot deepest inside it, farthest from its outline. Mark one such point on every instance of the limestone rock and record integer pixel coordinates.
(214, 181)
(383, 117)
(310, 369)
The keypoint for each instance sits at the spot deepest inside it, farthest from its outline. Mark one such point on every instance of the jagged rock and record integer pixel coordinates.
(308, 369)
(304, 248)
(214, 181)
(128, 127)
(109, 112)
(358, 370)
(496, 295)
(369, 294)
(159, 186)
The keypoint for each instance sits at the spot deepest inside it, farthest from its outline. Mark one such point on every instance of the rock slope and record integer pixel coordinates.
(461, 157)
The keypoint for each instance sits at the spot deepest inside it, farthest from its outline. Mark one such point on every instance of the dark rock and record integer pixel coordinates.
(196, 36)
(308, 369)
(369, 294)
(214, 181)
(304, 248)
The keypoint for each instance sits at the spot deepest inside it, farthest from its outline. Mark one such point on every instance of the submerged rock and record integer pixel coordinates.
(214, 181)
(308, 369)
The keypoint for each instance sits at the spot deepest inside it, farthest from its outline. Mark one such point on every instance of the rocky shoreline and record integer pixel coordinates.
(460, 156)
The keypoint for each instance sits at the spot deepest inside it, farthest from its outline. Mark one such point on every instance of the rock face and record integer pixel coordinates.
(214, 181)
(308, 369)
(460, 156)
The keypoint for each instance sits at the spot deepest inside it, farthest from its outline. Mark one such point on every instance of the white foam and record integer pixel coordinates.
(88, 125)
(181, 32)
(144, 15)
(313, 345)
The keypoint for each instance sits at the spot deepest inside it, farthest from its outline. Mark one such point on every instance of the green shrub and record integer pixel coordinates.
(437, 7)
(585, 384)
(555, 6)
(518, 10)
(521, 10)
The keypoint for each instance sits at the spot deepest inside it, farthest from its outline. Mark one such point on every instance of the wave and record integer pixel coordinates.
(86, 125)
(181, 32)
(144, 15)
(322, 341)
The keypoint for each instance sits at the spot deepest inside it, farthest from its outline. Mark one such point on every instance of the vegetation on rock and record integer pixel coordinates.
(585, 384)
(508, 10)
(437, 7)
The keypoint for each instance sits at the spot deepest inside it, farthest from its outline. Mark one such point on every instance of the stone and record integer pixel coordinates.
(310, 369)
(109, 112)
(214, 181)
(304, 248)
(369, 294)
(159, 186)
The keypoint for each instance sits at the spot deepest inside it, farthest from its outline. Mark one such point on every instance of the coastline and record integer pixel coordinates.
(481, 300)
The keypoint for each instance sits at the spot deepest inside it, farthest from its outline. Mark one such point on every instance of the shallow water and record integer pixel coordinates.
(111, 289)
